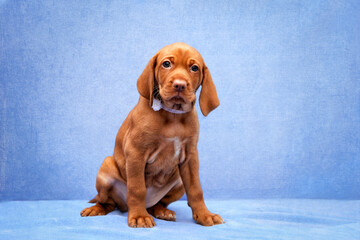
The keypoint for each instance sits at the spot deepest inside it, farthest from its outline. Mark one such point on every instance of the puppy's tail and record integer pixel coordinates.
(93, 200)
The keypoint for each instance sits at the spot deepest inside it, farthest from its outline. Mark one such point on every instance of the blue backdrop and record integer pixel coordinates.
(287, 74)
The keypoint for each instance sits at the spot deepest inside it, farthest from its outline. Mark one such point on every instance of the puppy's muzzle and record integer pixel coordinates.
(179, 85)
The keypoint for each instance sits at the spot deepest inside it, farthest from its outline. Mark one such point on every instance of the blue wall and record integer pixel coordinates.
(287, 74)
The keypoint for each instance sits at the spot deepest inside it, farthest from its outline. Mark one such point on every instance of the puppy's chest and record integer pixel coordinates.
(163, 159)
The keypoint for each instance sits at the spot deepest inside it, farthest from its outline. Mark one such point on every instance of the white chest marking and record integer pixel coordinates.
(177, 147)
(177, 150)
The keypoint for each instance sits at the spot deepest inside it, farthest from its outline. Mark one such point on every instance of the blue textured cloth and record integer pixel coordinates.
(245, 219)
(286, 72)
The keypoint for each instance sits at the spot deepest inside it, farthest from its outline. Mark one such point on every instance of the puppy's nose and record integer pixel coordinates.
(179, 85)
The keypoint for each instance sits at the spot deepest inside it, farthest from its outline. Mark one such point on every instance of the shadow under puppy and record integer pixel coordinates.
(155, 158)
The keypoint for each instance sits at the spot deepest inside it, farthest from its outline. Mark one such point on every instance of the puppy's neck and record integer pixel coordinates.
(157, 105)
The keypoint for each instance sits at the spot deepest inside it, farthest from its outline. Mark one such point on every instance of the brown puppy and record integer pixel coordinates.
(155, 159)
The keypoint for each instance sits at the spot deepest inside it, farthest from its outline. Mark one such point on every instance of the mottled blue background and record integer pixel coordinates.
(287, 74)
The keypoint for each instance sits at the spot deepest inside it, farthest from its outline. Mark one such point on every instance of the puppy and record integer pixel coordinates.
(155, 159)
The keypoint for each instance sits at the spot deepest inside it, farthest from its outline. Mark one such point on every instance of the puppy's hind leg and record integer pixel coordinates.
(105, 181)
(103, 206)
(160, 210)
(97, 210)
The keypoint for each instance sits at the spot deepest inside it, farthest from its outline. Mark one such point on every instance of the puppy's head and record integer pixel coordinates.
(173, 75)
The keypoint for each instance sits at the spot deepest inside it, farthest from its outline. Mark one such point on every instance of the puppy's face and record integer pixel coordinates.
(178, 74)
(173, 75)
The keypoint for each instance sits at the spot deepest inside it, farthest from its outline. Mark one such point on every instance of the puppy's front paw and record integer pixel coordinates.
(208, 219)
(145, 221)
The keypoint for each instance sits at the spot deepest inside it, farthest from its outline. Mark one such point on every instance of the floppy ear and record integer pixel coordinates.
(208, 97)
(145, 83)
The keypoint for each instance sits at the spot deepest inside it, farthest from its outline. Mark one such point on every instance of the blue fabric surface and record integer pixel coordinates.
(245, 219)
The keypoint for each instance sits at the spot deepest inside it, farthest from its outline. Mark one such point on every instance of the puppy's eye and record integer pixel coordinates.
(194, 68)
(166, 64)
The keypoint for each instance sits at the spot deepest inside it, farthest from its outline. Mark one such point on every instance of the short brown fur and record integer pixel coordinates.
(157, 150)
